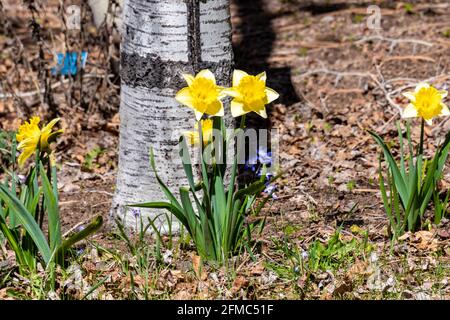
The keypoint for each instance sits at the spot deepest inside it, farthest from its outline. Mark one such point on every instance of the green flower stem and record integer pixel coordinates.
(243, 121)
(422, 126)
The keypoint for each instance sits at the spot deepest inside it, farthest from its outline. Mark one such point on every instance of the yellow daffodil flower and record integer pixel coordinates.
(426, 102)
(202, 94)
(207, 131)
(250, 94)
(32, 138)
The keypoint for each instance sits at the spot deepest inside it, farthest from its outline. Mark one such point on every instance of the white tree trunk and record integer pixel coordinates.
(161, 40)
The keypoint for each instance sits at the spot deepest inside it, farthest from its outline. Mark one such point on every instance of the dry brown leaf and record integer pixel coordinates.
(197, 265)
(257, 269)
(138, 280)
(239, 283)
(425, 240)
(444, 234)
(343, 288)
(4, 295)
(404, 236)
(358, 268)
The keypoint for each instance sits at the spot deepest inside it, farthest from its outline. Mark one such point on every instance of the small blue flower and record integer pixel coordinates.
(305, 255)
(250, 167)
(269, 175)
(22, 178)
(80, 251)
(270, 189)
(264, 156)
(136, 212)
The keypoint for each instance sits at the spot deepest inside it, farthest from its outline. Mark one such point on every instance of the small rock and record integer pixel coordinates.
(327, 19)
(422, 296)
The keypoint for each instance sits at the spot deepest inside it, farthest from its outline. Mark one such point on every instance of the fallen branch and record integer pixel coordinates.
(394, 41)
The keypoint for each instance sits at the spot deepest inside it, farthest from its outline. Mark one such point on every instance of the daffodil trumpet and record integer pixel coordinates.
(250, 94)
(33, 139)
(426, 102)
(204, 128)
(202, 94)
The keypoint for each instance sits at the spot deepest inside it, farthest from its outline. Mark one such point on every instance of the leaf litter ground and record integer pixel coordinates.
(326, 233)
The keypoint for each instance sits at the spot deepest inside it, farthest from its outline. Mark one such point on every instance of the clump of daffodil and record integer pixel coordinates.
(207, 130)
(426, 102)
(202, 94)
(413, 184)
(32, 138)
(250, 94)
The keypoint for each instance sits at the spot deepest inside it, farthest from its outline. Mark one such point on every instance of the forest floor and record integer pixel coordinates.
(326, 235)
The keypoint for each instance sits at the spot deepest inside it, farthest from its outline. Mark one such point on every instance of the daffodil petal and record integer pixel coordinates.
(429, 122)
(198, 115)
(237, 77)
(206, 74)
(24, 156)
(272, 95)
(48, 128)
(184, 97)
(445, 111)
(443, 94)
(35, 120)
(28, 143)
(232, 92)
(237, 109)
(188, 78)
(420, 86)
(410, 96)
(409, 112)
(262, 112)
(262, 76)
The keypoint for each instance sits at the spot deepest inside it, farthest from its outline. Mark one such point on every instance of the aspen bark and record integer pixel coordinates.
(161, 39)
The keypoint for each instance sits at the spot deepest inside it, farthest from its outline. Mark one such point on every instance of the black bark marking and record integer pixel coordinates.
(153, 72)
(193, 34)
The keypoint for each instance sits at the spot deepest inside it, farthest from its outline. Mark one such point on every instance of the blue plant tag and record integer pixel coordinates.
(66, 64)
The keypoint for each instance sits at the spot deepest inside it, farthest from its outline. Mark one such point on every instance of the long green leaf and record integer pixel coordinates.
(163, 186)
(27, 221)
(185, 159)
(252, 189)
(12, 240)
(220, 205)
(164, 205)
(397, 176)
(54, 223)
(92, 227)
